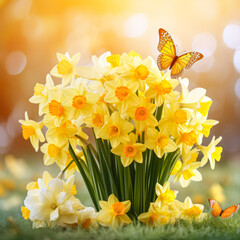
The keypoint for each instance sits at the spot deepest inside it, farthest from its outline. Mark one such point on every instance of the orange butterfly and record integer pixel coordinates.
(217, 211)
(168, 57)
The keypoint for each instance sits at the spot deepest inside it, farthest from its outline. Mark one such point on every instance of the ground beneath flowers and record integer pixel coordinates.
(13, 226)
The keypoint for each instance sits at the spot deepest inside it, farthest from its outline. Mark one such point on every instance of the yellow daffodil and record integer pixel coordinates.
(32, 130)
(211, 152)
(41, 93)
(87, 218)
(137, 70)
(158, 215)
(99, 117)
(130, 151)
(142, 115)
(191, 210)
(78, 101)
(172, 118)
(164, 194)
(60, 131)
(114, 213)
(116, 130)
(161, 87)
(151, 217)
(121, 93)
(159, 142)
(216, 192)
(66, 67)
(188, 171)
(55, 152)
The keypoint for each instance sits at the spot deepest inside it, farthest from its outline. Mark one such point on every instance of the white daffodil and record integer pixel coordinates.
(53, 205)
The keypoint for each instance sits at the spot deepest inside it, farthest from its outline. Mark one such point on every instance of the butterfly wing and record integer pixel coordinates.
(167, 49)
(186, 60)
(216, 209)
(228, 212)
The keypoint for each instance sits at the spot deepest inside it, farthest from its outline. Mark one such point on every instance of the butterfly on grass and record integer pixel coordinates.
(169, 59)
(217, 210)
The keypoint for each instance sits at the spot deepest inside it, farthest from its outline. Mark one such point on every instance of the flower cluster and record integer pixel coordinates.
(145, 129)
(51, 202)
(166, 209)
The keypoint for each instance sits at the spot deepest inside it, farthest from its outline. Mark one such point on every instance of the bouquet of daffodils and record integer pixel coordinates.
(141, 130)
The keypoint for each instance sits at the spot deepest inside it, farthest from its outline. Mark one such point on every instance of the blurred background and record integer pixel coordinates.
(32, 31)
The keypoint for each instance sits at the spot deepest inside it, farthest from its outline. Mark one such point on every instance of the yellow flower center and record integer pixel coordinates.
(193, 211)
(25, 213)
(73, 190)
(167, 196)
(204, 107)
(66, 128)
(79, 102)
(118, 209)
(113, 60)
(38, 89)
(153, 218)
(36, 186)
(53, 150)
(55, 108)
(187, 174)
(87, 223)
(122, 93)
(180, 116)
(101, 99)
(163, 220)
(193, 158)
(130, 151)
(176, 168)
(141, 114)
(64, 67)
(98, 119)
(114, 131)
(53, 206)
(162, 141)
(206, 129)
(27, 131)
(164, 87)
(217, 153)
(189, 138)
(142, 72)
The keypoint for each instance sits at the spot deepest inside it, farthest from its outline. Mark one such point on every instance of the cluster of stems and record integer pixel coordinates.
(104, 174)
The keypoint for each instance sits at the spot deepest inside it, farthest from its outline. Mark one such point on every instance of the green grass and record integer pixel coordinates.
(210, 228)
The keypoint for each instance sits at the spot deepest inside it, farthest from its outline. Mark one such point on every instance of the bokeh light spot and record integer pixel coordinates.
(231, 35)
(237, 88)
(236, 59)
(136, 25)
(203, 65)
(204, 43)
(16, 62)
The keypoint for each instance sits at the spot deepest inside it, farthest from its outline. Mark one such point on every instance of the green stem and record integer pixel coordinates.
(85, 178)
(63, 171)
